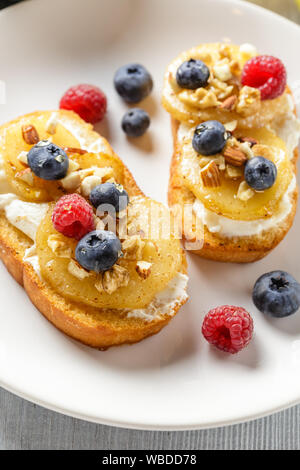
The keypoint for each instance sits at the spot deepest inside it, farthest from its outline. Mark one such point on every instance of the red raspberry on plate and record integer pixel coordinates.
(228, 328)
(266, 73)
(73, 216)
(86, 100)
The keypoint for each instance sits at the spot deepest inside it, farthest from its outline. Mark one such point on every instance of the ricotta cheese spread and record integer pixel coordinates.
(239, 228)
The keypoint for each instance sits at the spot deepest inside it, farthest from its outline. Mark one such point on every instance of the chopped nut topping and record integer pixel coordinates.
(30, 134)
(111, 280)
(248, 51)
(51, 124)
(211, 175)
(245, 192)
(250, 140)
(230, 126)
(70, 150)
(73, 166)
(26, 176)
(72, 181)
(22, 157)
(201, 98)
(249, 101)
(104, 173)
(246, 148)
(229, 103)
(133, 247)
(222, 70)
(143, 268)
(59, 248)
(89, 183)
(78, 271)
(234, 172)
(234, 156)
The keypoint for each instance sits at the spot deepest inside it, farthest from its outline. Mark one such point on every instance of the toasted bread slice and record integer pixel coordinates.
(236, 249)
(99, 328)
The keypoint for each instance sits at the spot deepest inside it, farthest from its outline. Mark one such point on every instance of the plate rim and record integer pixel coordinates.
(159, 427)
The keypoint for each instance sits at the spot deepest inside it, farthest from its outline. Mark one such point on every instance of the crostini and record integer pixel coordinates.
(235, 150)
(98, 280)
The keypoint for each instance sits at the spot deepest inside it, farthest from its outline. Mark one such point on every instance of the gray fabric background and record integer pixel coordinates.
(27, 426)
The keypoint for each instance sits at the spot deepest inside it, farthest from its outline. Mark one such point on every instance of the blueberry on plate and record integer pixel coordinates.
(133, 82)
(110, 194)
(209, 138)
(135, 122)
(192, 74)
(48, 161)
(260, 173)
(98, 250)
(277, 294)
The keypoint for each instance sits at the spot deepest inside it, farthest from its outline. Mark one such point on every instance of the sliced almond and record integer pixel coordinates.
(229, 103)
(234, 156)
(30, 134)
(211, 175)
(143, 268)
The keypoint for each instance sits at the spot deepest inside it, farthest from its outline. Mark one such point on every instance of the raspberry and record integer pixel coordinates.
(73, 216)
(228, 328)
(86, 100)
(266, 73)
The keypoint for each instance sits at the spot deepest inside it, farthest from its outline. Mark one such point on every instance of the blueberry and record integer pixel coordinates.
(260, 173)
(98, 250)
(109, 194)
(135, 122)
(277, 294)
(209, 138)
(133, 82)
(48, 161)
(192, 74)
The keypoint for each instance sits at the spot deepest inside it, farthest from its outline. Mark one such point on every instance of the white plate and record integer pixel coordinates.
(173, 380)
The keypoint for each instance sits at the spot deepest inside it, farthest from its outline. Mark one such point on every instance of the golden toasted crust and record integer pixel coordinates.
(98, 328)
(237, 249)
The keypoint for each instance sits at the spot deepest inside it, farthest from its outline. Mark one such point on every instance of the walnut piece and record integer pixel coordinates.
(222, 70)
(143, 268)
(112, 279)
(59, 247)
(78, 271)
(132, 248)
(249, 101)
